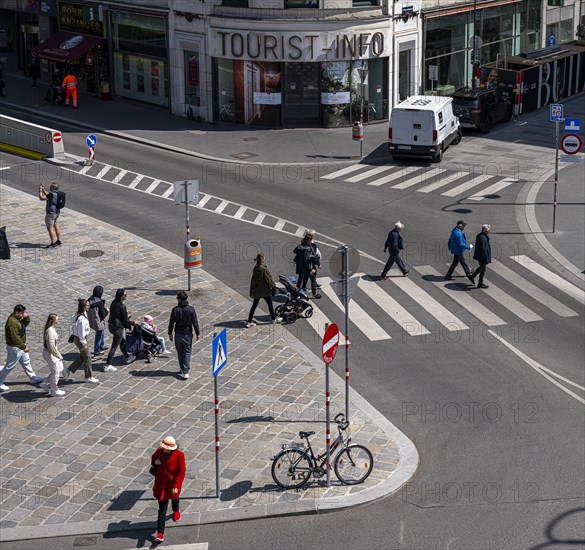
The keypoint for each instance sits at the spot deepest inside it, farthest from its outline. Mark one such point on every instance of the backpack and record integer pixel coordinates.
(61, 198)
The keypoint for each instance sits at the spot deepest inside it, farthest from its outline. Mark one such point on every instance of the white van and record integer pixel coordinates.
(423, 126)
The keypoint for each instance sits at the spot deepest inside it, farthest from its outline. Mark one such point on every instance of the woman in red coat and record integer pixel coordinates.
(168, 481)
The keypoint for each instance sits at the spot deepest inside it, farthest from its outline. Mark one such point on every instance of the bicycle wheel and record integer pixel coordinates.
(353, 464)
(291, 469)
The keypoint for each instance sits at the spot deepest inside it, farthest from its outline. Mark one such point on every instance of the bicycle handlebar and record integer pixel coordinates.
(342, 423)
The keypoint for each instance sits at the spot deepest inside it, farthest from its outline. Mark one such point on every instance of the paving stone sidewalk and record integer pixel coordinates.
(79, 464)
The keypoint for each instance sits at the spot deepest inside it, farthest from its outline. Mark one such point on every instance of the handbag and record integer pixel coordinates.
(153, 468)
(71, 339)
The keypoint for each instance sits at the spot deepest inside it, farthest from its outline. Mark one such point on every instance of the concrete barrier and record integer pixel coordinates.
(21, 136)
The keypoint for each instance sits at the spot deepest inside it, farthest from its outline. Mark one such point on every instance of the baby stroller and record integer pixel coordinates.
(55, 95)
(139, 341)
(296, 304)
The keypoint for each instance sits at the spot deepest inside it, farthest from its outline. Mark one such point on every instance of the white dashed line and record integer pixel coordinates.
(259, 218)
(168, 192)
(103, 172)
(279, 224)
(152, 186)
(221, 206)
(134, 183)
(241, 211)
(203, 201)
(120, 176)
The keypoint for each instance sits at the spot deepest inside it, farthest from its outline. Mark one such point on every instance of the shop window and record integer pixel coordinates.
(301, 3)
(139, 34)
(357, 3)
(192, 88)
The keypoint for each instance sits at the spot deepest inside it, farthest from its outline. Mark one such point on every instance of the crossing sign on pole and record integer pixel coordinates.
(572, 125)
(218, 353)
(90, 141)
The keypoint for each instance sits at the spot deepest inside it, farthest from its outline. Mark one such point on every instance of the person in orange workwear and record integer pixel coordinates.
(69, 85)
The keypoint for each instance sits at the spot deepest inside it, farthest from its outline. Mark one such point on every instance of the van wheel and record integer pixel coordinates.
(458, 137)
(487, 126)
(439, 157)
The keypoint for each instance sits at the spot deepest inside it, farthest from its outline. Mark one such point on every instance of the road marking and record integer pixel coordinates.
(431, 306)
(279, 224)
(367, 174)
(414, 178)
(203, 200)
(221, 206)
(259, 218)
(532, 290)
(103, 172)
(170, 191)
(134, 182)
(152, 186)
(472, 182)
(540, 369)
(554, 279)
(190, 546)
(392, 308)
(442, 182)
(510, 303)
(86, 169)
(240, 212)
(319, 320)
(493, 189)
(462, 297)
(343, 171)
(359, 317)
(300, 231)
(119, 176)
(390, 177)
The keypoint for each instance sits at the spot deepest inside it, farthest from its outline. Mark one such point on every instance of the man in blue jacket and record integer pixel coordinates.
(457, 246)
(483, 254)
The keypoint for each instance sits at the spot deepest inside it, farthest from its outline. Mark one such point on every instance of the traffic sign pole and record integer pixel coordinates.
(188, 230)
(346, 324)
(216, 402)
(328, 423)
(557, 122)
(218, 361)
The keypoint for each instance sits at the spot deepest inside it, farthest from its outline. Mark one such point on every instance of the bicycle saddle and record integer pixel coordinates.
(306, 435)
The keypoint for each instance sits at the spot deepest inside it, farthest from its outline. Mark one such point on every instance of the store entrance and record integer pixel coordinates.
(301, 92)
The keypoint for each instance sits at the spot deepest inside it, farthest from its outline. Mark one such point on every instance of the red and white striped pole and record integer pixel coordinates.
(328, 423)
(216, 401)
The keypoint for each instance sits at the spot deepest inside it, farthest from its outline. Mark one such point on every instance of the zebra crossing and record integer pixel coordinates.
(426, 179)
(415, 306)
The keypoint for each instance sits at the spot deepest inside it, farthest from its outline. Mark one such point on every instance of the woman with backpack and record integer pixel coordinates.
(118, 323)
(80, 332)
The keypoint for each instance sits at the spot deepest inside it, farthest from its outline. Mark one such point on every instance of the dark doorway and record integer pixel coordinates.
(301, 92)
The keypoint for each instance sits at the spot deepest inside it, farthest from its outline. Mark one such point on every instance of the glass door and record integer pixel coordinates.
(301, 92)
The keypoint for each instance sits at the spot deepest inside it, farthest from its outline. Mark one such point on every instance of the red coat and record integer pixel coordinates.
(169, 474)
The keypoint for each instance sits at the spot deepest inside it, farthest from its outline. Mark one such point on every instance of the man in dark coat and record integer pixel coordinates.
(483, 254)
(394, 244)
(182, 323)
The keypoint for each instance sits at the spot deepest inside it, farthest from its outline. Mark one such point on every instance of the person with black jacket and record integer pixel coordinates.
(96, 316)
(118, 323)
(483, 255)
(182, 323)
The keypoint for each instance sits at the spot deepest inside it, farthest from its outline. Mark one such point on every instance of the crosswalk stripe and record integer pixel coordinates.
(532, 290)
(259, 218)
(406, 321)
(469, 184)
(492, 189)
(279, 224)
(441, 182)
(318, 321)
(86, 169)
(152, 186)
(343, 171)
(414, 178)
(203, 200)
(434, 308)
(358, 316)
(135, 181)
(510, 303)
(393, 175)
(170, 190)
(103, 171)
(221, 206)
(367, 174)
(299, 232)
(462, 298)
(120, 175)
(240, 212)
(546, 274)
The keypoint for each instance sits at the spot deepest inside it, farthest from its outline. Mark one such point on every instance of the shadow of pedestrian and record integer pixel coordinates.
(235, 491)
(141, 533)
(162, 373)
(24, 396)
(126, 500)
(28, 245)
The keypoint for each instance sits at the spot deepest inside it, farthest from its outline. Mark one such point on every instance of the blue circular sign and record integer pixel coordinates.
(91, 140)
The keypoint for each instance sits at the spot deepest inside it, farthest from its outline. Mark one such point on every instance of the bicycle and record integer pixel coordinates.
(295, 464)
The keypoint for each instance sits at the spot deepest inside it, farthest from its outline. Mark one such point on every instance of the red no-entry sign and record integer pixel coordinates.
(330, 343)
(57, 137)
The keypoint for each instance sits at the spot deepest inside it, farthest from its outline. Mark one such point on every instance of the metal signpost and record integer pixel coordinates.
(330, 345)
(363, 72)
(433, 76)
(186, 192)
(571, 142)
(556, 116)
(91, 141)
(344, 262)
(218, 361)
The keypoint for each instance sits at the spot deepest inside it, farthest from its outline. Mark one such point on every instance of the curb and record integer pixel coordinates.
(407, 465)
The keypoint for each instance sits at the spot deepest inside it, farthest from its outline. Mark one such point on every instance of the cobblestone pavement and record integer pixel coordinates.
(79, 464)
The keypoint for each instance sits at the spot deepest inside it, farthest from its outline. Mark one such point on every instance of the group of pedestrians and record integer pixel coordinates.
(457, 245)
(92, 314)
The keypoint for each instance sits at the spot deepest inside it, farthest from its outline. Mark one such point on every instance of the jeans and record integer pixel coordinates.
(255, 305)
(161, 341)
(55, 368)
(183, 345)
(118, 340)
(14, 356)
(162, 513)
(458, 259)
(394, 257)
(98, 345)
(304, 279)
(83, 359)
(481, 272)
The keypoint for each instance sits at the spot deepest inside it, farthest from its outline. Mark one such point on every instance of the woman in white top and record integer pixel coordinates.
(52, 356)
(80, 331)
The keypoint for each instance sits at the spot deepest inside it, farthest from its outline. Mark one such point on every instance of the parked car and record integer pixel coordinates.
(480, 108)
(423, 126)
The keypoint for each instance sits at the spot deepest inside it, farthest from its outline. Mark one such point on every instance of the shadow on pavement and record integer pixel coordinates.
(555, 540)
(235, 491)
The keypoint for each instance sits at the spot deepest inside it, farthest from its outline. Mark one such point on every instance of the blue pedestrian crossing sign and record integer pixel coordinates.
(218, 353)
(572, 125)
(91, 140)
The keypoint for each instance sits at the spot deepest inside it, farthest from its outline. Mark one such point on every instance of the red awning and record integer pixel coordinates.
(65, 46)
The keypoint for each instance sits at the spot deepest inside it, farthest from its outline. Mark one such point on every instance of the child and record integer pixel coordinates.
(148, 324)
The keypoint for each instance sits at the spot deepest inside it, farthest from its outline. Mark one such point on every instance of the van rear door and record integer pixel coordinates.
(401, 124)
(422, 127)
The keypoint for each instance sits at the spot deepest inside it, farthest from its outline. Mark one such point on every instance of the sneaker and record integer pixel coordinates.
(184, 375)
(449, 278)
(406, 273)
(318, 286)
(66, 374)
(58, 393)
(159, 537)
(167, 352)
(45, 386)
(177, 515)
(34, 379)
(249, 324)
(130, 359)
(384, 277)
(317, 296)
(278, 320)
(4, 387)
(58, 242)
(110, 368)
(92, 380)
(482, 286)
(470, 277)
(105, 348)
(52, 245)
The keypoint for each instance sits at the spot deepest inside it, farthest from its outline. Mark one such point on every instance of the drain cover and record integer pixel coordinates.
(243, 156)
(250, 139)
(91, 253)
(84, 541)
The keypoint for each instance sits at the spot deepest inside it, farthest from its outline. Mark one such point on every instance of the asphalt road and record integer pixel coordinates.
(502, 448)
